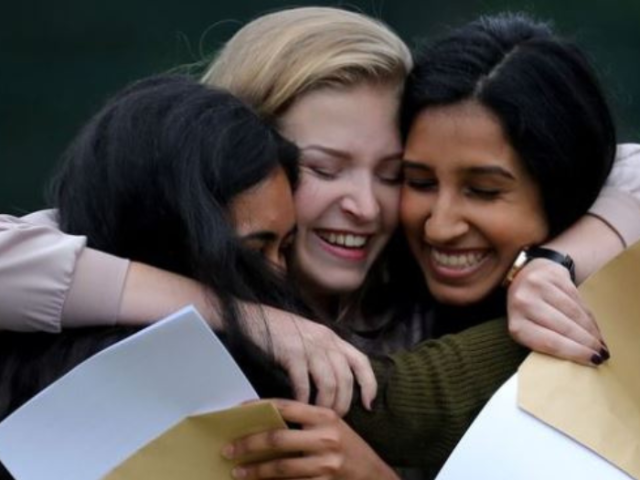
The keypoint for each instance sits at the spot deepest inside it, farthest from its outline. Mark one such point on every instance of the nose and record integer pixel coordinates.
(361, 202)
(445, 222)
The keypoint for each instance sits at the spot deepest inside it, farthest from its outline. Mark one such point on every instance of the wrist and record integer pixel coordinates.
(528, 254)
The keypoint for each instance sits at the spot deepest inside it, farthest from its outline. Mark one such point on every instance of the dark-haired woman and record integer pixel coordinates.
(499, 116)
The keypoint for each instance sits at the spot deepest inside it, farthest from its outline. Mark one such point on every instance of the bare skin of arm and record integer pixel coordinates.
(304, 349)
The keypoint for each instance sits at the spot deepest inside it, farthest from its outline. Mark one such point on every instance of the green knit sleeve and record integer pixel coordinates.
(428, 396)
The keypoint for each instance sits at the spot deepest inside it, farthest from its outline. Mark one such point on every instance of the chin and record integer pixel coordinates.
(341, 286)
(457, 297)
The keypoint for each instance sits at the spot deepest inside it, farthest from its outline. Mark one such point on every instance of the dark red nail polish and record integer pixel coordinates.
(596, 359)
(604, 354)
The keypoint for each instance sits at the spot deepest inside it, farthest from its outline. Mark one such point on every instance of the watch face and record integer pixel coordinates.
(520, 261)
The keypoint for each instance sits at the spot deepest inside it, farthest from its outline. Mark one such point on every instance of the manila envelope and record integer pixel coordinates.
(598, 407)
(191, 449)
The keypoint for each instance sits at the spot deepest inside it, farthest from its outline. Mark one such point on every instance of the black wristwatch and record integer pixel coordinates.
(528, 254)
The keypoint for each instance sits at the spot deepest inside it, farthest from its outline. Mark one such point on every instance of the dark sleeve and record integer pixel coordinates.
(428, 396)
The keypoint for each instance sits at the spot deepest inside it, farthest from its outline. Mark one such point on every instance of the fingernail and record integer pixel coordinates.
(238, 472)
(596, 359)
(604, 353)
(227, 452)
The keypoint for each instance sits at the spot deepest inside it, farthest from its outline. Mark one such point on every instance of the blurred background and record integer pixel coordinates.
(60, 60)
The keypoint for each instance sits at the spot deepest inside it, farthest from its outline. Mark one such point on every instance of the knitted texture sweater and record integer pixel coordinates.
(429, 395)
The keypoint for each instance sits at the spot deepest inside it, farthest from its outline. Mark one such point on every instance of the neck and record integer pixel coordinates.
(453, 318)
(326, 304)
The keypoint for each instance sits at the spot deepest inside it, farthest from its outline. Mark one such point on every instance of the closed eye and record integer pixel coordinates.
(484, 193)
(323, 173)
(421, 184)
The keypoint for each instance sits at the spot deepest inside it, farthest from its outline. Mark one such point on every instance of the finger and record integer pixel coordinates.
(291, 468)
(552, 343)
(324, 377)
(547, 317)
(572, 319)
(364, 374)
(299, 375)
(344, 376)
(281, 441)
(552, 309)
(581, 312)
(304, 414)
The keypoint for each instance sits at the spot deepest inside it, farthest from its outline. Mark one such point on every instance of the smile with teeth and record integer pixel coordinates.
(344, 240)
(458, 260)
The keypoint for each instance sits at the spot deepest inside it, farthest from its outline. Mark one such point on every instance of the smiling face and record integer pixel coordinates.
(264, 217)
(468, 204)
(348, 197)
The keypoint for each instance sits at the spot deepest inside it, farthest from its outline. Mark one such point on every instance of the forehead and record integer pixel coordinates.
(267, 206)
(361, 119)
(460, 135)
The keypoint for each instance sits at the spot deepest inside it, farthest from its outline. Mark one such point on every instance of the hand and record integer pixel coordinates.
(546, 314)
(307, 349)
(330, 449)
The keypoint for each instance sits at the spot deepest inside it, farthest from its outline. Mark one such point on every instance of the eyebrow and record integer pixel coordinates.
(484, 170)
(267, 236)
(264, 236)
(345, 155)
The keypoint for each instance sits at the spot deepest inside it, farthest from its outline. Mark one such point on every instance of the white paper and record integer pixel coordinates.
(506, 443)
(111, 405)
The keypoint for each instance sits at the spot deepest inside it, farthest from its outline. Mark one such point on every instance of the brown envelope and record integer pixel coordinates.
(598, 407)
(191, 449)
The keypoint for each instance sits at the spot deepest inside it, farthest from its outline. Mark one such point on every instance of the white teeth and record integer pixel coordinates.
(464, 260)
(344, 239)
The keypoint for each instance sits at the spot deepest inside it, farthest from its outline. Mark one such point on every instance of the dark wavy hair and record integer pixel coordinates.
(151, 178)
(543, 91)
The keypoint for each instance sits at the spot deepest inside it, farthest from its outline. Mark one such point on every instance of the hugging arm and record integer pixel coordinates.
(545, 310)
(50, 281)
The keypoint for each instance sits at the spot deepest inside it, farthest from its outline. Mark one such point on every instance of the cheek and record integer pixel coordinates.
(413, 212)
(514, 230)
(389, 201)
(307, 200)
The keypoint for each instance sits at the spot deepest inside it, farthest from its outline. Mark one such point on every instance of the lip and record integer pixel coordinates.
(456, 274)
(343, 253)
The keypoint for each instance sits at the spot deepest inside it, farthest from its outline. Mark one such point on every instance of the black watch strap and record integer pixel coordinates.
(564, 260)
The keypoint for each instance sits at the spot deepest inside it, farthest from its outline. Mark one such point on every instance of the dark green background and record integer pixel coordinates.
(60, 60)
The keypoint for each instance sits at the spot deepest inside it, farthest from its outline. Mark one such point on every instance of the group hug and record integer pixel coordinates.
(379, 235)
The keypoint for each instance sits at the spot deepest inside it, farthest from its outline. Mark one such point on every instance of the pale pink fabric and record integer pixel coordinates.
(619, 202)
(48, 277)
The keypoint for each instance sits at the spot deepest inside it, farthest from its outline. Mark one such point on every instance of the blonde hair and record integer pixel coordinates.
(276, 58)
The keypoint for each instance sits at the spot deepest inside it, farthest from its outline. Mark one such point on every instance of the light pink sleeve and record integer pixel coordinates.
(50, 280)
(619, 202)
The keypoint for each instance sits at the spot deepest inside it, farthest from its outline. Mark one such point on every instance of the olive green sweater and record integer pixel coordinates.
(428, 396)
